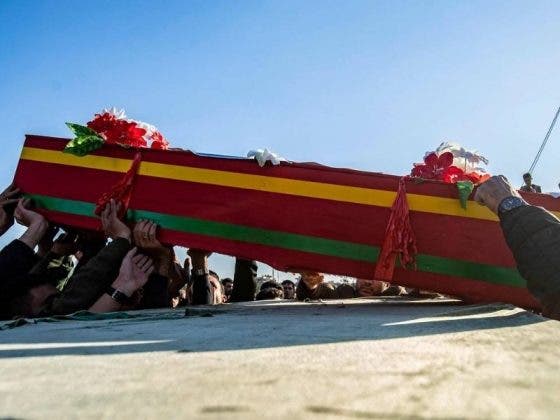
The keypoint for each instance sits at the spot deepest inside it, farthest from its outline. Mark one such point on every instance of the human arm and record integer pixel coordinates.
(202, 290)
(88, 283)
(533, 236)
(133, 274)
(8, 199)
(36, 224)
(244, 281)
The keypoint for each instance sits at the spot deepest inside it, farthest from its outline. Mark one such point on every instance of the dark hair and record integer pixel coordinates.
(270, 293)
(226, 280)
(270, 283)
(527, 175)
(288, 282)
(213, 273)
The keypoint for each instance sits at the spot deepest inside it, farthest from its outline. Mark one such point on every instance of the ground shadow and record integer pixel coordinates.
(264, 325)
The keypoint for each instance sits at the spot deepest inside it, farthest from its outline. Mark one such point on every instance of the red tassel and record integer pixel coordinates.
(122, 190)
(399, 238)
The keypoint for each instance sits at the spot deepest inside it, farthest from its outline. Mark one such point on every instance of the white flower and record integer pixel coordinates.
(117, 113)
(264, 155)
(470, 156)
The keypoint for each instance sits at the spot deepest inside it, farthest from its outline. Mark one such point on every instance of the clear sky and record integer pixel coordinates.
(363, 84)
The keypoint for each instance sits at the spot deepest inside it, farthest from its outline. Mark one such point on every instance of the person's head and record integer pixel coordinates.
(270, 293)
(312, 279)
(289, 289)
(268, 284)
(228, 286)
(527, 179)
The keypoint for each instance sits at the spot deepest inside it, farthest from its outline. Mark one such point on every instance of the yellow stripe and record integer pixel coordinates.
(358, 195)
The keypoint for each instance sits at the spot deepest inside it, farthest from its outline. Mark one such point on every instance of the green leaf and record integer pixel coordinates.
(465, 189)
(86, 140)
(81, 146)
(81, 130)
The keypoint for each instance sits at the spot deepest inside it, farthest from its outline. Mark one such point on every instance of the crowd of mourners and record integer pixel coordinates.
(53, 271)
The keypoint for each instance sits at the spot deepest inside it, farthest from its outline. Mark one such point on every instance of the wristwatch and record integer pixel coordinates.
(199, 272)
(510, 203)
(117, 295)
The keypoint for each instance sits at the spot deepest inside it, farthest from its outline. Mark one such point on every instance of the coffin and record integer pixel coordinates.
(293, 216)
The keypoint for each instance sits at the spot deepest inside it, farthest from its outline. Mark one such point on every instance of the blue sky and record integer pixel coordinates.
(362, 84)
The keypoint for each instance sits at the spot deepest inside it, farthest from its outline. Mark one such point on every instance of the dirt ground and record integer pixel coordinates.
(365, 358)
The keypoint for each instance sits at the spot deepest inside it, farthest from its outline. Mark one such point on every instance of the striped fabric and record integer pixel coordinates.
(292, 217)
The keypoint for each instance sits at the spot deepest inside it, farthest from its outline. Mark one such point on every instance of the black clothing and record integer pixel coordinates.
(533, 235)
(244, 281)
(90, 282)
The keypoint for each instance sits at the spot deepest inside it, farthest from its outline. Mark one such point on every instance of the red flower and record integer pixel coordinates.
(102, 122)
(158, 141)
(117, 131)
(476, 177)
(452, 174)
(441, 168)
(434, 166)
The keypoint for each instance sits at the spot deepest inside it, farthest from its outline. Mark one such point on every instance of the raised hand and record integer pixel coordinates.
(25, 216)
(112, 225)
(144, 236)
(36, 224)
(493, 191)
(134, 272)
(6, 215)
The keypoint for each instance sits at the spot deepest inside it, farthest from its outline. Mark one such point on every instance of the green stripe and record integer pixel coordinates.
(286, 240)
(484, 272)
(348, 250)
(330, 247)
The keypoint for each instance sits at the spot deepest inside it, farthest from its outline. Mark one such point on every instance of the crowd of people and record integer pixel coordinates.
(51, 271)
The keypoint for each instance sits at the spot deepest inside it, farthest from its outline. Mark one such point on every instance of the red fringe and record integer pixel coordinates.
(122, 190)
(399, 238)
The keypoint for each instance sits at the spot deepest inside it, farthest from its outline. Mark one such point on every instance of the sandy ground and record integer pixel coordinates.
(360, 359)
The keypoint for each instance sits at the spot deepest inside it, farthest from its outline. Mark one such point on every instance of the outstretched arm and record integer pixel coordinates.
(533, 235)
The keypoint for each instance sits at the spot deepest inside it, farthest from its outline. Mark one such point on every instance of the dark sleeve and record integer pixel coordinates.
(302, 292)
(244, 281)
(533, 235)
(156, 292)
(202, 293)
(16, 259)
(86, 286)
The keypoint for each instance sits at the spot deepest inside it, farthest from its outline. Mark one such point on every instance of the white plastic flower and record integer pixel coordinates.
(264, 155)
(117, 113)
(471, 156)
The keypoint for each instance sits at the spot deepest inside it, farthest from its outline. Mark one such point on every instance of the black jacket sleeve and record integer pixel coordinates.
(84, 288)
(202, 292)
(16, 259)
(156, 293)
(533, 235)
(244, 281)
